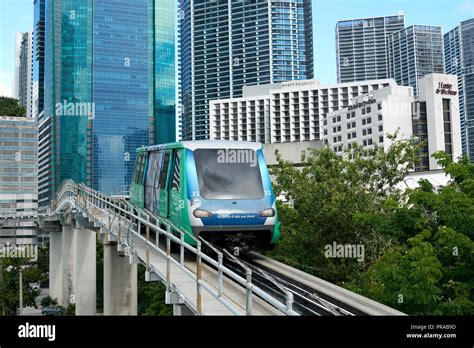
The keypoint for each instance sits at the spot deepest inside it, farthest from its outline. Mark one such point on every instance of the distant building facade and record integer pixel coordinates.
(22, 78)
(459, 55)
(18, 178)
(361, 47)
(228, 45)
(415, 52)
(432, 117)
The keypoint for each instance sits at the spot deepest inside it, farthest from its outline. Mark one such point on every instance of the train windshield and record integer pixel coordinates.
(228, 174)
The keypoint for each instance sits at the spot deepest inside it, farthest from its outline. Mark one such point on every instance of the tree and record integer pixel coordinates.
(343, 200)
(11, 107)
(151, 296)
(9, 287)
(419, 249)
(48, 301)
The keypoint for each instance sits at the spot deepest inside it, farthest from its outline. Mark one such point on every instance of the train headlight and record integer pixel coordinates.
(200, 213)
(270, 212)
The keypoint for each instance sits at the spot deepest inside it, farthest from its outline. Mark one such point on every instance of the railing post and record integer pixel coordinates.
(248, 288)
(157, 235)
(147, 249)
(181, 249)
(289, 301)
(198, 279)
(220, 258)
(168, 257)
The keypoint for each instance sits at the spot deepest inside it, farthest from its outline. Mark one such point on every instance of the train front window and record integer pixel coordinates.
(228, 173)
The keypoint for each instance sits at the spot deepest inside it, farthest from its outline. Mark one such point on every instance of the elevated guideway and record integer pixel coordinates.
(201, 280)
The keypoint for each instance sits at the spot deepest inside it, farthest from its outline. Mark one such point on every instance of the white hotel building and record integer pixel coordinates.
(432, 117)
(283, 112)
(342, 114)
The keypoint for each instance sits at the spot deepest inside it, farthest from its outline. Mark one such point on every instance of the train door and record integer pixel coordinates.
(137, 189)
(151, 197)
(176, 203)
(163, 184)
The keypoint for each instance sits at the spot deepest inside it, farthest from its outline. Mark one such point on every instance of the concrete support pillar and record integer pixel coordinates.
(56, 266)
(68, 254)
(85, 271)
(120, 283)
(182, 310)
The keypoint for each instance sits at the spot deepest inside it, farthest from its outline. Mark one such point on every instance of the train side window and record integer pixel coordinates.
(153, 169)
(164, 171)
(176, 173)
(140, 168)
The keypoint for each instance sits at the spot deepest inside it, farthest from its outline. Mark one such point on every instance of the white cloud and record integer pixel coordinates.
(6, 84)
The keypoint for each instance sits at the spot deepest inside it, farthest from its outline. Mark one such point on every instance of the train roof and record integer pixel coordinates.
(204, 144)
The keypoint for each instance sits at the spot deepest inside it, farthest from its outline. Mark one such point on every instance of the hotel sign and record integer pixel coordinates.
(445, 89)
(362, 104)
(299, 83)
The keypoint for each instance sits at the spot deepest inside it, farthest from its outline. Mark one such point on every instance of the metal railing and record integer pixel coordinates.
(125, 217)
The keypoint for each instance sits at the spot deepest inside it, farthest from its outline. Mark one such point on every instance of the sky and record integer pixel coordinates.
(17, 16)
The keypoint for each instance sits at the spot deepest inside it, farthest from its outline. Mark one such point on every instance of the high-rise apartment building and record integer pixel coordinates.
(459, 60)
(361, 47)
(415, 52)
(22, 85)
(110, 87)
(229, 44)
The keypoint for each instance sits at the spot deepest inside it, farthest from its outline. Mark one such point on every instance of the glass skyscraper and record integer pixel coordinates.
(68, 88)
(38, 58)
(22, 85)
(459, 60)
(109, 87)
(121, 88)
(165, 71)
(415, 52)
(361, 47)
(226, 45)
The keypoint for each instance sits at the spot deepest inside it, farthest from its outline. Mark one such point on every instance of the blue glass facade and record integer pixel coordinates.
(110, 81)
(226, 45)
(121, 90)
(68, 88)
(165, 111)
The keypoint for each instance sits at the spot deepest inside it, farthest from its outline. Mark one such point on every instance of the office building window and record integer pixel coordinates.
(448, 139)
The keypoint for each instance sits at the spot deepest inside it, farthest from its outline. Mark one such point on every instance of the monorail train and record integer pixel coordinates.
(219, 190)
